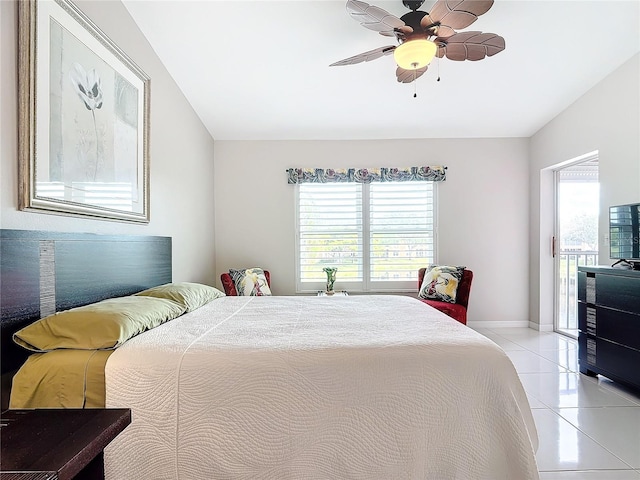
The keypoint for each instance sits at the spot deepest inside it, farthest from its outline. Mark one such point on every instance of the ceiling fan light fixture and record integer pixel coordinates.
(415, 54)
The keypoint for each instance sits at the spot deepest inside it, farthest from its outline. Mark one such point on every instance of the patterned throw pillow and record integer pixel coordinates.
(250, 282)
(441, 283)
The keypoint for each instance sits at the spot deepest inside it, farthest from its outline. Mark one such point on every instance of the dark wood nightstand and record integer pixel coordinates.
(53, 444)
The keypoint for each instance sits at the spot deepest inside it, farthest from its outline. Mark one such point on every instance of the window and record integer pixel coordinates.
(377, 234)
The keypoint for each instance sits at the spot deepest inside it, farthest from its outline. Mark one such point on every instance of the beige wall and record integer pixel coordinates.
(181, 166)
(607, 120)
(483, 209)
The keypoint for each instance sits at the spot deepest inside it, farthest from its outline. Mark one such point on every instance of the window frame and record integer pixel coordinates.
(366, 285)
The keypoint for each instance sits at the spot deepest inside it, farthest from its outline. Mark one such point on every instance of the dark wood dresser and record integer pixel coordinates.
(609, 323)
(57, 444)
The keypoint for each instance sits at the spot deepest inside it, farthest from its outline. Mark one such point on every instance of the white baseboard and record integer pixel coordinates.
(500, 324)
(541, 328)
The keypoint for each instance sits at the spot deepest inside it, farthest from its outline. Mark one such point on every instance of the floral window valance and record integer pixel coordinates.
(435, 173)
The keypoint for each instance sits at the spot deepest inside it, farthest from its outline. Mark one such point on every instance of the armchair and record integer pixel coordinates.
(458, 310)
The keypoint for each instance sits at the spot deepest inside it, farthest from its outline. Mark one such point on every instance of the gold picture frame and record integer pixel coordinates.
(83, 118)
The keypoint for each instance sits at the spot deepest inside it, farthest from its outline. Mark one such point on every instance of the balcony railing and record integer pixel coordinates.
(568, 285)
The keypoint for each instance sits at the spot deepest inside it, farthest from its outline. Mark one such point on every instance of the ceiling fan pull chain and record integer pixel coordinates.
(415, 85)
(438, 62)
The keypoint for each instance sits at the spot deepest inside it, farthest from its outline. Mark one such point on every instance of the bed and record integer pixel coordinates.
(358, 387)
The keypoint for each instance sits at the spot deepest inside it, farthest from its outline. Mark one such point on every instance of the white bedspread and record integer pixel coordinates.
(358, 387)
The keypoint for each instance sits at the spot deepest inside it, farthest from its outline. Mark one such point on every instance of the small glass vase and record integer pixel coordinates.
(331, 278)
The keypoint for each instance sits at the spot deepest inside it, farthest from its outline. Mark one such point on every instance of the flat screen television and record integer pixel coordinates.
(624, 234)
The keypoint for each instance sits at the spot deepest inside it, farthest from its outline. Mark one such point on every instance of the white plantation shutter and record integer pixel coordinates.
(330, 231)
(401, 230)
(378, 235)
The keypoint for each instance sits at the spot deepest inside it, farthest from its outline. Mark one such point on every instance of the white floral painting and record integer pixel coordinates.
(89, 125)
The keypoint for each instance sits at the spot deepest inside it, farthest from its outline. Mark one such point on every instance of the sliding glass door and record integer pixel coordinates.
(576, 237)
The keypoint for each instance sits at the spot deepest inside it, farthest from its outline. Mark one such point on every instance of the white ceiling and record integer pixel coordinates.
(260, 70)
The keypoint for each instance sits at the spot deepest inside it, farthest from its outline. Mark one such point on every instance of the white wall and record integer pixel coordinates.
(483, 208)
(484, 205)
(181, 165)
(607, 120)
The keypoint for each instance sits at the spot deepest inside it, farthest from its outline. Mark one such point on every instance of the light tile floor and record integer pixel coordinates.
(588, 428)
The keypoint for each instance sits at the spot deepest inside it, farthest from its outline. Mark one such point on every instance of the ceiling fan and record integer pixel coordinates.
(423, 36)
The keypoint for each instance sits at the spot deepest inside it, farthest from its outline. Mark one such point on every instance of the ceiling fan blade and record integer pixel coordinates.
(408, 76)
(470, 46)
(458, 14)
(428, 25)
(373, 18)
(401, 32)
(366, 56)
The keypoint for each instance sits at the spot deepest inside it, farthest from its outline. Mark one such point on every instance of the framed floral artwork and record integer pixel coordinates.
(83, 118)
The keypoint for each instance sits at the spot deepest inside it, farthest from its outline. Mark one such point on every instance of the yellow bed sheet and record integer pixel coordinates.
(61, 379)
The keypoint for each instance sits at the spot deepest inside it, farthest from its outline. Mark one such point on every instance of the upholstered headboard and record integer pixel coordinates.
(45, 272)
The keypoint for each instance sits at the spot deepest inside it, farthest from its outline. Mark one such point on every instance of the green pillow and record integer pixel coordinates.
(189, 295)
(102, 325)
